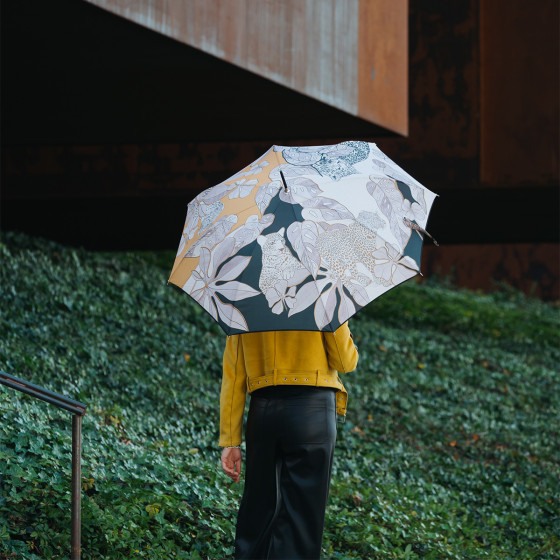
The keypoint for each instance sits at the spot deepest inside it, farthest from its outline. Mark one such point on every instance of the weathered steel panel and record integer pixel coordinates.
(442, 149)
(520, 92)
(383, 64)
(322, 48)
(533, 268)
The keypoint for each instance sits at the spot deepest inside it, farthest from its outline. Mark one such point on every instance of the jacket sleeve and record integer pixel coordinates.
(341, 350)
(233, 393)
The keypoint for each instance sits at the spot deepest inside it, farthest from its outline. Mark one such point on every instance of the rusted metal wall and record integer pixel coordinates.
(529, 267)
(442, 148)
(113, 122)
(520, 93)
(351, 54)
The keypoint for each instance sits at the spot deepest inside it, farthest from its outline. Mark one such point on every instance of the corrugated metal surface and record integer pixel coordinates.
(350, 54)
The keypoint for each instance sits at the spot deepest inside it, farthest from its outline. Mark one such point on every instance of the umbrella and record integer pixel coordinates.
(302, 238)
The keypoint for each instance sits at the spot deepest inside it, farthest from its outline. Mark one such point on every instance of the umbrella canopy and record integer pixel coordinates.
(302, 238)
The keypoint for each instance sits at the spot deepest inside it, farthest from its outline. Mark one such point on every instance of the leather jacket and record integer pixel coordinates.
(256, 360)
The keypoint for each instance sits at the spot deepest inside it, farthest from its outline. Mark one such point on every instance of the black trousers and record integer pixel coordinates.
(290, 438)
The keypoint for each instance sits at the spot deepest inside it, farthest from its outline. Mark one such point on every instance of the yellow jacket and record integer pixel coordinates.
(256, 360)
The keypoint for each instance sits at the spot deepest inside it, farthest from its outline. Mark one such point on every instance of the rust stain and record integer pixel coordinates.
(533, 268)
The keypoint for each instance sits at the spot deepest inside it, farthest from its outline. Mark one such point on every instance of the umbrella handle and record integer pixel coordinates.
(418, 228)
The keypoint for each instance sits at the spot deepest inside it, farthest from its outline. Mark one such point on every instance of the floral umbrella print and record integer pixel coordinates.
(302, 238)
(206, 286)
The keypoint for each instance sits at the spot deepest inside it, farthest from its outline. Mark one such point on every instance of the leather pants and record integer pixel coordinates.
(290, 438)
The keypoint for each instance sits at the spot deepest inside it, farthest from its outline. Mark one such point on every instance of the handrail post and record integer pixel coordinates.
(76, 486)
(78, 409)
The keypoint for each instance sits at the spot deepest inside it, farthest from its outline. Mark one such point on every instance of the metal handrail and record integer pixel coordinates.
(78, 409)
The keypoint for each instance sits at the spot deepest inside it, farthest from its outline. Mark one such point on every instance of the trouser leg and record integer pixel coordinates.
(307, 450)
(290, 446)
(259, 502)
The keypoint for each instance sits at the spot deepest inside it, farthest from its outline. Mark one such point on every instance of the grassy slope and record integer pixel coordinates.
(450, 449)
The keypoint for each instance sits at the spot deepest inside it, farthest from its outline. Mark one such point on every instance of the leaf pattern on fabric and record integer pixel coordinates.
(391, 267)
(213, 194)
(291, 171)
(199, 217)
(284, 299)
(204, 285)
(414, 212)
(323, 208)
(230, 315)
(346, 307)
(301, 190)
(303, 237)
(265, 194)
(254, 169)
(212, 236)
(250, 230)
(315, 205)
(391, 203)
(242, 188)
(388, 167)
(324, 301)
(391, 169)
(208, 214)
(191, 223)
(324, 308)
(371, 220)
(307, 295)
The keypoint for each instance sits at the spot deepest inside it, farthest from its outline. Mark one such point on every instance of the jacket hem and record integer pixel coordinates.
(291, 377)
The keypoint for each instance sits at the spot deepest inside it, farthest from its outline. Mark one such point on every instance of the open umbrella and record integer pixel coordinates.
(302, 238)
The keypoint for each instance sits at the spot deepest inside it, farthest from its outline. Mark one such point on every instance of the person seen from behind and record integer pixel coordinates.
(296, 397)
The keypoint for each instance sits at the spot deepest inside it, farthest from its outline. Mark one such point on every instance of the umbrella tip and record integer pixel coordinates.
(284, 181)
(420, 229)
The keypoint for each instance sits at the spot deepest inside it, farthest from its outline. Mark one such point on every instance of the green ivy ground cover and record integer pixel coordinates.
(450, 449)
